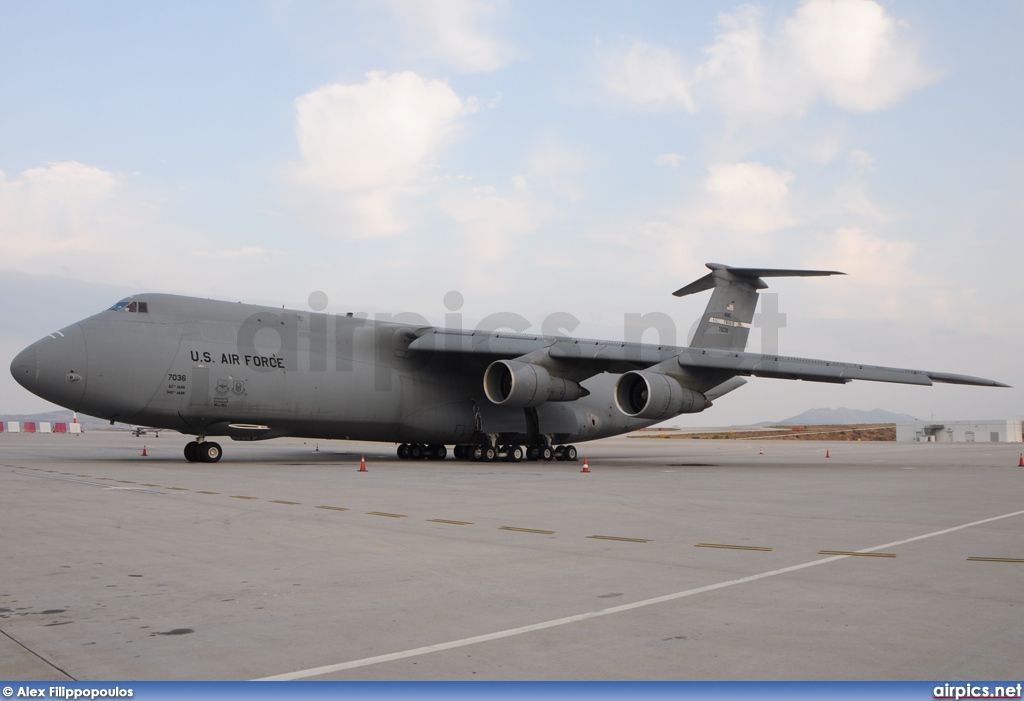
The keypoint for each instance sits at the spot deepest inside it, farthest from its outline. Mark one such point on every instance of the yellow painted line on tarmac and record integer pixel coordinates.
(333, 508)
(150, 485)
(612, 537)
(202, 492)
(282, 501)
(177, 489)
(733, 547)
(83, 475)
(995, 559)
(239, 496)
(853, 554)
(525, 530)
(102, 479)
(384, 513)
(454, 523)
(119, 481)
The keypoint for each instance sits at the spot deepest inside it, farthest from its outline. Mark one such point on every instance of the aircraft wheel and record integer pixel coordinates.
(208, 451)
(570, 453)
(437, 452)
(490, 454)
(460, 452)
(476, 453)
(533, 453)
(515, 453)
(547, 454)
(190, 451)
(560, 453)
(403, 451)
(415, 451)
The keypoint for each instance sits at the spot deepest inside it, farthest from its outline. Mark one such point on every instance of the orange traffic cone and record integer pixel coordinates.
(827, 454)
(362, 464)
(586, 467)
(143, 451)
(317, 448)
(1021, 463)
(760, 451)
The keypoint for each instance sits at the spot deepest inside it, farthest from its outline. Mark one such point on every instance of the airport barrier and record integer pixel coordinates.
(39, 427)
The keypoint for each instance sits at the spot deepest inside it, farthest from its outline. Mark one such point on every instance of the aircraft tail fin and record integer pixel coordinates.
(729, 315)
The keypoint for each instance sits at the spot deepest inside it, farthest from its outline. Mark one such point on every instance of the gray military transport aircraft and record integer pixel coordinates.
(211, 368)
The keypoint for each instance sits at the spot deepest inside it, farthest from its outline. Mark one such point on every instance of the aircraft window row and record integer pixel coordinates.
(132, 307)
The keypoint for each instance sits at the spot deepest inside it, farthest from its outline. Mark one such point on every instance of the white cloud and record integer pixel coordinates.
(746, 72)
(854, 53)
(850, 53)
(672, 160)
(452, 31)
(85, 223)
(748, 197)
(371, 141)
(492, 223)
(649, 76)
(825, 148)
(555, 167)
(862, 158)
(60, 208)
(884, 272)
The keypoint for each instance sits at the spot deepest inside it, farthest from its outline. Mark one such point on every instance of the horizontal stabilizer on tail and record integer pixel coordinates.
(751, 276)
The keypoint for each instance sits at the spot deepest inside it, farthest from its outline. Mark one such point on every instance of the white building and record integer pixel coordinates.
(996, 431)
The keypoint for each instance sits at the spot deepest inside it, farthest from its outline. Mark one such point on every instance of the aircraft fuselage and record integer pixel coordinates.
(215, 368)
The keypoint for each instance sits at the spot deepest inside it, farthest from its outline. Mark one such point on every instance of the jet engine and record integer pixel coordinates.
(517, 384)
(654, 396)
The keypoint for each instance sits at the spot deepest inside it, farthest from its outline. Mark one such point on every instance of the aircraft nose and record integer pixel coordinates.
(24, 366)
(54, 367)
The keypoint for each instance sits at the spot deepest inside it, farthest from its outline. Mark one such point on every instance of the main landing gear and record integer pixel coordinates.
(415, 451)
(487, 453)
(203, 451)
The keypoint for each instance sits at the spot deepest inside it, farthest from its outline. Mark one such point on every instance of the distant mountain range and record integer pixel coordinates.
(842, 415)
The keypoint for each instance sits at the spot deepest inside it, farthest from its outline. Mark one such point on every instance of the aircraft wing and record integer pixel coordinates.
(589, 357)
(787, 368)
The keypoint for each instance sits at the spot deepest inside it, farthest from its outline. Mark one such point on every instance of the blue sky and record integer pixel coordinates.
(585, 158)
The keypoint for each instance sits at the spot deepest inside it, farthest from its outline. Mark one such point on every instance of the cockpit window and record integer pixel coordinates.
(126, 305)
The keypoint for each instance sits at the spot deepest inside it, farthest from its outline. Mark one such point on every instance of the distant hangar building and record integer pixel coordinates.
(1000, 431)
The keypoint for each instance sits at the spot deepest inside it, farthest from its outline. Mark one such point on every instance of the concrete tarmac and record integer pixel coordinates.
(283, 562)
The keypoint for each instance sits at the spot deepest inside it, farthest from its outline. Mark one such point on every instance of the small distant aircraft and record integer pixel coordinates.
(210, 368)
(143, 430)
